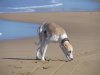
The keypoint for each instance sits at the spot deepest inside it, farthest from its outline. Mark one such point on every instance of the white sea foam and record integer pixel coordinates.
(0, 33)
(25, 10)
(34, 7)
(30, 8)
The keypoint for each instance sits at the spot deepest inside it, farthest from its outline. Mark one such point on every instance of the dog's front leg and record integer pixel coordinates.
(38, 54)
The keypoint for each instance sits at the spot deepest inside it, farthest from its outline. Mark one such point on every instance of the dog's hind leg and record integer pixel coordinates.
(41, 48)
(40, 51)
(40, 35)
(38, 55)
(40, 43)
(45, 49)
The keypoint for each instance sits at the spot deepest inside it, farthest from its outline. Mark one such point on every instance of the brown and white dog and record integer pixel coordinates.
(51, 32)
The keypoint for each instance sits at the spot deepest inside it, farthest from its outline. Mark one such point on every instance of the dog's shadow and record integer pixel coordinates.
(34, 59)
(19, 58)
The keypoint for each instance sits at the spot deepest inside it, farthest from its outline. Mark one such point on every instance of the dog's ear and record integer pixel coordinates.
(68, 46)
(65, 45)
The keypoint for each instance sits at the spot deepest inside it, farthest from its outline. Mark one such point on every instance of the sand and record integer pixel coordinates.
(17, 57)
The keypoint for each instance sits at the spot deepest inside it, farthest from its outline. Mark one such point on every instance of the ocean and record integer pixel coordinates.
(20, 6)
(10, 30)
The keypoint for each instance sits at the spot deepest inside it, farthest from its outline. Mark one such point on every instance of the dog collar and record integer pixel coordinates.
(63, 40)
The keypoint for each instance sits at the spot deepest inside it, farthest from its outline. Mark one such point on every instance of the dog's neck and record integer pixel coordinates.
(64, 38)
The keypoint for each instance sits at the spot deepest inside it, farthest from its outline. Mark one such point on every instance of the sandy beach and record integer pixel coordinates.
(17, 57)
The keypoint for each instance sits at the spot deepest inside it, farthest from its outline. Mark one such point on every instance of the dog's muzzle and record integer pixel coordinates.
(69, 55)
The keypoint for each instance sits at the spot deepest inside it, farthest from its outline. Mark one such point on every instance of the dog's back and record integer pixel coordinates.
(53, 29)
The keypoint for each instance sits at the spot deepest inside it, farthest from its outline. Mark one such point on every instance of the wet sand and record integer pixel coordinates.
(17, 57)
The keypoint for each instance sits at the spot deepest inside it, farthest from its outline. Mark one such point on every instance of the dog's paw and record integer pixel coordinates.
(43, 59)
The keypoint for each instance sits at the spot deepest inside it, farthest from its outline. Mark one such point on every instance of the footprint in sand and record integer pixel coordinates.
(17, 67)
(46, 67)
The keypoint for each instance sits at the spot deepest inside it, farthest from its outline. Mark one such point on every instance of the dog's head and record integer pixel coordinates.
(68, 50)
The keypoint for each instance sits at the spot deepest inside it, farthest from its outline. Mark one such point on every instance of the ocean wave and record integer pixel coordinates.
(34, 7)
(21, 11)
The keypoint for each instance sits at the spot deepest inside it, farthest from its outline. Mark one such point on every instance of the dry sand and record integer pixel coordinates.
(17, 57)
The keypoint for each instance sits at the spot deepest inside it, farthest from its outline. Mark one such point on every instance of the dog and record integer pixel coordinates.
(52, 32)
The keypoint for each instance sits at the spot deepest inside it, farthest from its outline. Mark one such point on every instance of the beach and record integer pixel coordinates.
(17, 57)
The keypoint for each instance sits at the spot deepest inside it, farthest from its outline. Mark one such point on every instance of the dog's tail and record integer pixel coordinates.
(40, 30)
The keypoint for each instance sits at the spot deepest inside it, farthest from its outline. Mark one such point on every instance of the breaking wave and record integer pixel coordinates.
(34, 7)
(29, 8)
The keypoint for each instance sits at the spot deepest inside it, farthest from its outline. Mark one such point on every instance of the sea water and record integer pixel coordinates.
(20, 6)
(15, 30)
